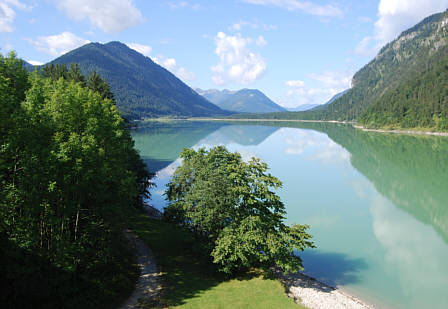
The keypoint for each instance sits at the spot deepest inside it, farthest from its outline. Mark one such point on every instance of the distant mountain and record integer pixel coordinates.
(141, 87)
(214, 95)
(28, 66)
(242, 101)
(303, 107)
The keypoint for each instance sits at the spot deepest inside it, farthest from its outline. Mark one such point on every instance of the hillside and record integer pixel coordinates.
(334, 98)
(422, 49)
(141, 87)
(242, 101)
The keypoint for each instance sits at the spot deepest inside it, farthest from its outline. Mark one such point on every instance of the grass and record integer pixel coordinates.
(191, 281)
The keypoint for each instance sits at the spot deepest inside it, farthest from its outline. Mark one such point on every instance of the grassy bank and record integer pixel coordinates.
(192, 282)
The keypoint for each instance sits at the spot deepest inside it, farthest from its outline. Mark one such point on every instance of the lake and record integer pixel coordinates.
(377, 203)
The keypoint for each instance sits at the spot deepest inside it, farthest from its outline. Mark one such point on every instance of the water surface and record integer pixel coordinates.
(377, 203)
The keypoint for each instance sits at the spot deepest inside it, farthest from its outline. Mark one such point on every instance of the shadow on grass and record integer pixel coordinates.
(186, 275)
(332, 268)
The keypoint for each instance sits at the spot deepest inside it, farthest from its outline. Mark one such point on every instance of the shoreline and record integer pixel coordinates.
(314, 294)
(409, 132)
(401, 131)
(268, 120)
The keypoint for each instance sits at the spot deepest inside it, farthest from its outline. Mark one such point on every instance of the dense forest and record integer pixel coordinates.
(421, 102)
(69, 176)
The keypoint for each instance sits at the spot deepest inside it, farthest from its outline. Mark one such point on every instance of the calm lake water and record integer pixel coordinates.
(377, 203)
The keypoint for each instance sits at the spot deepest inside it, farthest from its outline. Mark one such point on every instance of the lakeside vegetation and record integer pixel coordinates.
(69, 178)
(71, 181)
(231, 208)
(191, 281)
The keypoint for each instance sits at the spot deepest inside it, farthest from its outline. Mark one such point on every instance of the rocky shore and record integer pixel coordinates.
(313, 294)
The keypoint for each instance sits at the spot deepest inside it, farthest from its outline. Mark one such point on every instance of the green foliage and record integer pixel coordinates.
(192, 282)
(229, 205)
(142, 88)
(419, 102)
(69, 176)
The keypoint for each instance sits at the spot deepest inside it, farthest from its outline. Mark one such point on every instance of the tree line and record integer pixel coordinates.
(69, 175)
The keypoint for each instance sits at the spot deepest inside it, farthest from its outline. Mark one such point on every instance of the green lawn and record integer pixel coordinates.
(192, 282)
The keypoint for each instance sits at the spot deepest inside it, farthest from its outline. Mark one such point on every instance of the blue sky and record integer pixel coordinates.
(295, 51)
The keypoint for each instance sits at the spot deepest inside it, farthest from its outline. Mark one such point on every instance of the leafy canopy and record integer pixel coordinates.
(69, 175)
(231, 207)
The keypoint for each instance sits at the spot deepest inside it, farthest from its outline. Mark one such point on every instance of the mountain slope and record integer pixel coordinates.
(141, 87)
(334, 98)
(242, 101)
(418, 49)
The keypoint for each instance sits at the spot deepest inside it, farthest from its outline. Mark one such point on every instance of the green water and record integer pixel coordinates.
(377, 203)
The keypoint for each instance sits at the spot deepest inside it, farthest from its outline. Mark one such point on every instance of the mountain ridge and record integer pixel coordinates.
(242, 101)
(141, 87)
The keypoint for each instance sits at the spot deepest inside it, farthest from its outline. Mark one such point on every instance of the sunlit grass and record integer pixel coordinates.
(191, 281)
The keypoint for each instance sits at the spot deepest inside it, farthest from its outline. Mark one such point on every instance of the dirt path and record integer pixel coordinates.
(148, 286)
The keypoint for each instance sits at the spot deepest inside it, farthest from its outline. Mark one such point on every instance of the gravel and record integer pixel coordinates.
(313, 294)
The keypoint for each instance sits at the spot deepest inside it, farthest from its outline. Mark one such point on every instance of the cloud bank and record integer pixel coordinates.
(108, 15)
(395, 16)
(237, 63)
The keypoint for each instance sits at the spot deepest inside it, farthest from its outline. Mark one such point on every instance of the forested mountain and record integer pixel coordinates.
(28, 66)
(141, 87)
(242, 101)
(388, 84)
(334, 98)
(405, 86)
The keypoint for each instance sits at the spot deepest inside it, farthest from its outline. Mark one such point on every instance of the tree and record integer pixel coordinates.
(230, 207)
(69, 175)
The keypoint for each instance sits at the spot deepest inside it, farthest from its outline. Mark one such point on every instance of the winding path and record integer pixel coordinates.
(148, 286)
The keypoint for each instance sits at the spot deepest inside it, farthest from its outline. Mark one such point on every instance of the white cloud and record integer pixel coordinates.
(365, 47)
(334, 79)
(184, 4)
(260, 41)
(59, 44)
(108, 15)
(34, 62)
(253, 25)
(295, 83)
(328, 84)
(237, 63)
(8, 14)
(304, 6)
(395, 16)
(171, 65)
(142, 49)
